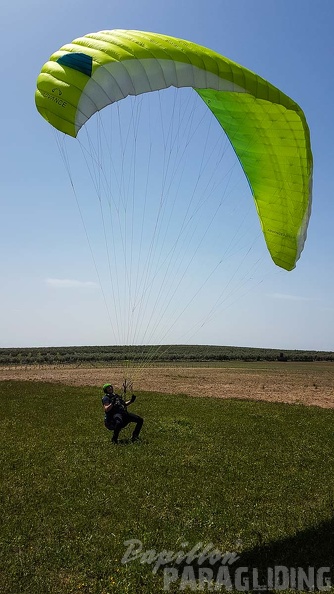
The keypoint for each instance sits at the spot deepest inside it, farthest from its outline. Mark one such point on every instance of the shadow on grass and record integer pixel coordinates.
(127, 441)
(298, 562)
(312, 547)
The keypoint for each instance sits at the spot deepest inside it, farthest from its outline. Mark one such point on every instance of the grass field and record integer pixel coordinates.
(254, 478)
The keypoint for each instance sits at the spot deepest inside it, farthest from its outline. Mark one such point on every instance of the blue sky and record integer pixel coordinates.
(50, 291)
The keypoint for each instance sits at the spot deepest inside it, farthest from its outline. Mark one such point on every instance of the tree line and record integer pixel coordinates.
(97, 355)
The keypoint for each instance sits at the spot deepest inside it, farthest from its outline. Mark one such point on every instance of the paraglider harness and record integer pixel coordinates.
(118, 406)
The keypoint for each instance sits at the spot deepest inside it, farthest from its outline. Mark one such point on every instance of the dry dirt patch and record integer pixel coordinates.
(304, 383)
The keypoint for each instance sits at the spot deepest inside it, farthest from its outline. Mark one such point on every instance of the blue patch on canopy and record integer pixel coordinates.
(80, 62)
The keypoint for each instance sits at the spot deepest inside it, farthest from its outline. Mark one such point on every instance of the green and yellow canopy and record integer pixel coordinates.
(266, 128)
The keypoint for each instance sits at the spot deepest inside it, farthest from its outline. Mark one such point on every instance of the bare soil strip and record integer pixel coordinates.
(302, 383)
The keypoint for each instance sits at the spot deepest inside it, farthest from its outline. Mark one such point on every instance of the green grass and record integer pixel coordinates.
(250, 477)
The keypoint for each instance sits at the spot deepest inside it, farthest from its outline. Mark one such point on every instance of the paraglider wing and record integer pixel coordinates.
(267, 130)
